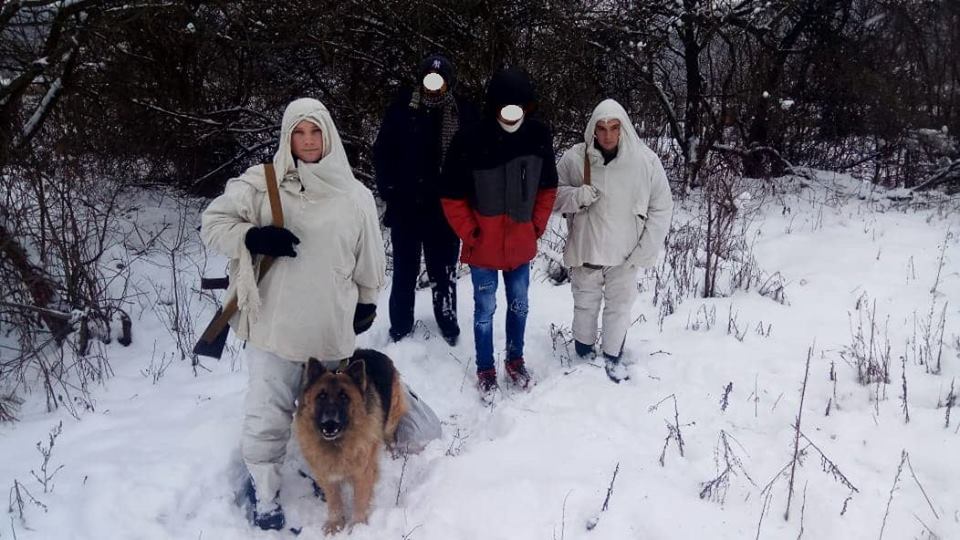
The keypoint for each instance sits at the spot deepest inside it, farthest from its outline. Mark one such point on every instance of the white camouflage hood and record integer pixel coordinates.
(314, 111)
(628, 222)
(630, 143)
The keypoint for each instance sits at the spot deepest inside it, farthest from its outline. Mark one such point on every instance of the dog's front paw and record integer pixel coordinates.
(334, 525)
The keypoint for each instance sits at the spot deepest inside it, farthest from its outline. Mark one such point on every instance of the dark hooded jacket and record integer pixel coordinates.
(498, 188)
(407, 153)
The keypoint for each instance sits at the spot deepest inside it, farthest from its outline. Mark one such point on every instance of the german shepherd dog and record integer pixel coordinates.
(344, 418)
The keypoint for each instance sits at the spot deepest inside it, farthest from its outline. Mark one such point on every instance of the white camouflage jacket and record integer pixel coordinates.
(630, 220)
(304, 306)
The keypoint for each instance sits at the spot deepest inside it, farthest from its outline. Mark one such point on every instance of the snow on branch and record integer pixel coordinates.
(948, 174)
(43, 109)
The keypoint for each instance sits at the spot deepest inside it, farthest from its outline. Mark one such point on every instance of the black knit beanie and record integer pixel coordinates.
(439, 64)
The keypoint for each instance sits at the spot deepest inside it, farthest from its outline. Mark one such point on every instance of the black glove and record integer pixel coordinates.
(272, 241)
(363, 317)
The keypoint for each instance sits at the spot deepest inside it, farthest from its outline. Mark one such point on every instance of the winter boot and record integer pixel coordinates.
(396, 335)
(269, 516)
(450, 331)
(583, 350)
(452, 338)
(518, 373)
(615, 369)
(487, 384)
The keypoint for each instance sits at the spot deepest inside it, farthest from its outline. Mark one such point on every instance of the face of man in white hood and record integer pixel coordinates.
(611, 128)
(607, 134)
(306, 142)
(308, 135)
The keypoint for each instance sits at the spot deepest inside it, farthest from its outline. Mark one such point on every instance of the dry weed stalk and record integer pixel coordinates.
(951, 401)
(592, 522)
(796, 437)
(560, 338)
(673, 430)
(45, 476)
(18, 500)
(716, 488)
(789, 470)
(868, 352)
(725, 400)
(904, 404)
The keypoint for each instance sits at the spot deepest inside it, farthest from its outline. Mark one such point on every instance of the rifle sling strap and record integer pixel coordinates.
(586, 165)
(276, 210)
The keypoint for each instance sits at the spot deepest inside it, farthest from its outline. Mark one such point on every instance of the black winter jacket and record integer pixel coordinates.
(406, 158)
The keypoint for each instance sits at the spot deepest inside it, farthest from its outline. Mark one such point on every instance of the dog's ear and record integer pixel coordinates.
(357, 370)
(315, 370)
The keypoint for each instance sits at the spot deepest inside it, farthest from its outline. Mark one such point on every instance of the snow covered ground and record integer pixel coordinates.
(157, 458)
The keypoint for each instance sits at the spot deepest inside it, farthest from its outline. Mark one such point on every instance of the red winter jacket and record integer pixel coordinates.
(498, 190)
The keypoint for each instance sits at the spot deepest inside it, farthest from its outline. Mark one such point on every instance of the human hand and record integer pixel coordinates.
(363, 317)
(272, 241)
(587, 195)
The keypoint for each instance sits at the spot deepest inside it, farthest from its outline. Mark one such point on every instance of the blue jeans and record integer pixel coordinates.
(516, 283)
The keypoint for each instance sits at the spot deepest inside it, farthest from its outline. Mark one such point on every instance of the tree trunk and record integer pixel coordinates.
(693, 157)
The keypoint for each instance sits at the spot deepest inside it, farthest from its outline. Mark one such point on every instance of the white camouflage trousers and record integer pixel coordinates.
(616, 288)
(268, 416)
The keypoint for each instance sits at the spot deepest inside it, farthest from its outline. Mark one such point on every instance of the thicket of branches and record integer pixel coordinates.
(191, 92)
(186, 94)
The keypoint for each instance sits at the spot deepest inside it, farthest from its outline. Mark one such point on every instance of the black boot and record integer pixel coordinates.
(450, 332)
(267, 516)
(583, 350)
(397, 335)
(615, 369)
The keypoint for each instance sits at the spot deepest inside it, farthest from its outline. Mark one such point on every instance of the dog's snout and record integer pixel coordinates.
(329, 414)
(330, 419)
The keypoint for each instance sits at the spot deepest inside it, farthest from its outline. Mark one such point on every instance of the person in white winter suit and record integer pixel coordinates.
(329, 266)
(617, 221)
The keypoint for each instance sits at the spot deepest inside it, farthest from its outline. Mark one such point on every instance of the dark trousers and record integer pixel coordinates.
(441, 248)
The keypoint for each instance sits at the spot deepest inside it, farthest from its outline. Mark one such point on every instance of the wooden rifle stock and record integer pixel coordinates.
(214, 337)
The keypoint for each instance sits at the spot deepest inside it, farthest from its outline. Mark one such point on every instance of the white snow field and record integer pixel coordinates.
(863, 277)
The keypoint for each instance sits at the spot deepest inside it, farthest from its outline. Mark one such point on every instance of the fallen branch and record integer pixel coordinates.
(745, 153)
(946, 174)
